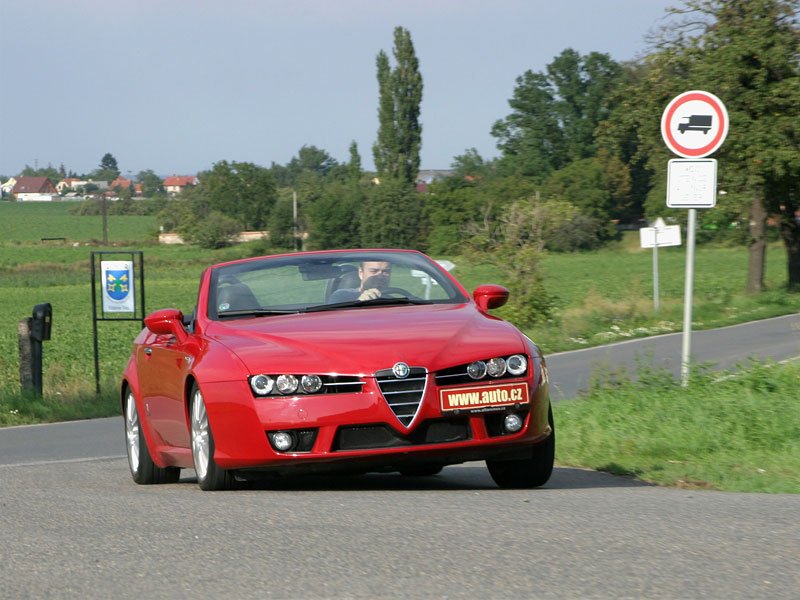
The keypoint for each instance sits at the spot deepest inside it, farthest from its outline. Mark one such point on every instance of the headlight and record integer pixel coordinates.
(477, 370)
(262, 384)
(517, 364)
(311, 384)
(496, 367)
(286, 384)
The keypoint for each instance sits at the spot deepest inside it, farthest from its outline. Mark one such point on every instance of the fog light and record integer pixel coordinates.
(517, 364)
(282, 441)
(477, 370)
(286, 384)
(262, 384)
(311, 384)
(512, 423)
(496, 367)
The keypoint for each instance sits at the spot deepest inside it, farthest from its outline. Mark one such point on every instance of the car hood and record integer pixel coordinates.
(364, 340)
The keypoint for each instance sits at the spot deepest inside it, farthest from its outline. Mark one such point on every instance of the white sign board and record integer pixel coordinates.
(660, 237)
(692, 183)
(694, 124)
(118, 293)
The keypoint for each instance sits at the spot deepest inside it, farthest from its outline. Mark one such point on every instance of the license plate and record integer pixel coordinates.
(484, 398)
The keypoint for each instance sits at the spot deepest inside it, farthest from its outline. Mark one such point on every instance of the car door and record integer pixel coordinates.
(163, 365)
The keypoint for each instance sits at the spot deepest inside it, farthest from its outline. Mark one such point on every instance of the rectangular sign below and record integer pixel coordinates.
(484, 398)
(692, 183)
(118, 293)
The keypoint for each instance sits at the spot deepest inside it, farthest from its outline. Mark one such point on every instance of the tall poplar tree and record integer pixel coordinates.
(396, 151)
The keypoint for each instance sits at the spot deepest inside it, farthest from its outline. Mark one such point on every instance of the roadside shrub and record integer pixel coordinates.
(214, 230)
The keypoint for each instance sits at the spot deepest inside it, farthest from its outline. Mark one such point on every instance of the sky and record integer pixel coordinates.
(178, 85)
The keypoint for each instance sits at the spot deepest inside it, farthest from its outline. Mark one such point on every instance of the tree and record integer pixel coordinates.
(555, 113)
(746, 52)
(396, 151)
(152, 185)
(598, 186)
(392, 216)
(334, 217)
(354, 166)
(108, 169)
(749, 51)
(243, 191)
(48, 171)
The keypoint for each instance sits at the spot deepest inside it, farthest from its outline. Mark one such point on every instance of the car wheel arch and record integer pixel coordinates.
(188, 385)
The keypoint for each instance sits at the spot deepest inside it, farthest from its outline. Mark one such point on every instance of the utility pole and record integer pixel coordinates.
(105, 220)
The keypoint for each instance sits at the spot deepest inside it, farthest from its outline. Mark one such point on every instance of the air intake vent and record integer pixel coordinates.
(403, 395)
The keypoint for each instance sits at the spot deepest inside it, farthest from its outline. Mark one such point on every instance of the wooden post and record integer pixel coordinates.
(25, 355)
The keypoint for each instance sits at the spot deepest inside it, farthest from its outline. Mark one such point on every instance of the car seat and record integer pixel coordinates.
(237, 296)
(348, 279)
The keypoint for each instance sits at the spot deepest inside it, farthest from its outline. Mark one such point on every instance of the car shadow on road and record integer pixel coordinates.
(457, 477)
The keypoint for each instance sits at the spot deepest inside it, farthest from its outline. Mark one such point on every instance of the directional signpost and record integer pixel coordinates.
(655, 237)
(694, 125)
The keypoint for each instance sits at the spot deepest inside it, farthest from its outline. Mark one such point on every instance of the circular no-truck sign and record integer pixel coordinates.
(694, 124)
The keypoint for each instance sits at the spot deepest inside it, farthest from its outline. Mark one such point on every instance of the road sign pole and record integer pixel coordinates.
(687, 299)
(655, 270)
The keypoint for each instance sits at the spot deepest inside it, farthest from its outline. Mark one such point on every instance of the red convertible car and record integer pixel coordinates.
(351, 360)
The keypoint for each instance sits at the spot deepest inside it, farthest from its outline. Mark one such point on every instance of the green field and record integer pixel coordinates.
(601, 296)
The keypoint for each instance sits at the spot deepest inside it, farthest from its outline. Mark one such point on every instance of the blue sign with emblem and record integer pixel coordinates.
(118, 293)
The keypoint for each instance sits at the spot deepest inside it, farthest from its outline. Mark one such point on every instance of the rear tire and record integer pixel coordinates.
(530, 472)
(210, 477)
(143, 470)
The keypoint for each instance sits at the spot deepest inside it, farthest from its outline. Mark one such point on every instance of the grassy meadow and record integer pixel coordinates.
(653, 429)
(601, 296)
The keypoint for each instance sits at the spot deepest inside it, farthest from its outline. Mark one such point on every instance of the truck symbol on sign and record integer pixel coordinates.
(696, 123)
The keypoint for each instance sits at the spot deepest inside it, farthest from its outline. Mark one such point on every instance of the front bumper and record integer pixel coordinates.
(360, 431)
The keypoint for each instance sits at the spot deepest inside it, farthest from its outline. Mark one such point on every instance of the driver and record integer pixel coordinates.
(374, 276)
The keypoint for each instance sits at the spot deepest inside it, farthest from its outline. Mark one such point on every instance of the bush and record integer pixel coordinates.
(215, 230)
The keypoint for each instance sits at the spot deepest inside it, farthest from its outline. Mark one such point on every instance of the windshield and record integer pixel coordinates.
(327, 281)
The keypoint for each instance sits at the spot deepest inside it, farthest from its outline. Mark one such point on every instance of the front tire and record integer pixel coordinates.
(143, 470)
(530, 472)
(210, 477)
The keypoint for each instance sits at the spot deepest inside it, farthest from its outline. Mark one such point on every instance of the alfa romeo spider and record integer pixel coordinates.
(338, 361)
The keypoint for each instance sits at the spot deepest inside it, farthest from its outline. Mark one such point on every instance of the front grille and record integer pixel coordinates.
(434, 431)
(458, 375)
(403, 395)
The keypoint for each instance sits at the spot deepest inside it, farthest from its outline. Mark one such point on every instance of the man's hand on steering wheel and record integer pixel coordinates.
(369, 294)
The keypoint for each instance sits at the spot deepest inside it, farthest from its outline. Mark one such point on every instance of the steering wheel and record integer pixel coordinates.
(396, 291)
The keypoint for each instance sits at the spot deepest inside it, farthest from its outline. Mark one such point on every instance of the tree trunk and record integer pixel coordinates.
(758, 244)
(790, 232)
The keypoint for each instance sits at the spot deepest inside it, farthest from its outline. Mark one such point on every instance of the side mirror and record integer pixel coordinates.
(168, 321)
(490, 296)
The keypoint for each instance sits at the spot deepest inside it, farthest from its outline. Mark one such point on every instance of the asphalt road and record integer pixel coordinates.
(73, 524)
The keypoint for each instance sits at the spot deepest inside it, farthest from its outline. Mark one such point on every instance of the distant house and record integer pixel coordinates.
(120, 182)
(67, 184)
(75, 184)
(124, 184)
(177, 183)
(34, 189)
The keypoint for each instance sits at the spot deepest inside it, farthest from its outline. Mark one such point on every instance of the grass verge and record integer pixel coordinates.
(725, 432)
(26, 408)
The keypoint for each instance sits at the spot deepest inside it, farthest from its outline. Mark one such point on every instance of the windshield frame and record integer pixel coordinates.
(329, 260)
